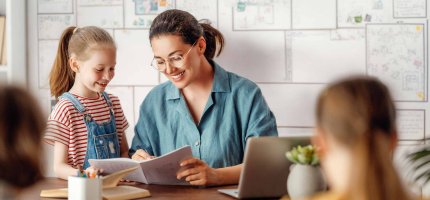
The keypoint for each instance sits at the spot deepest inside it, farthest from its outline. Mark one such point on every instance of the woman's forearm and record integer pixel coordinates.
(229, 175)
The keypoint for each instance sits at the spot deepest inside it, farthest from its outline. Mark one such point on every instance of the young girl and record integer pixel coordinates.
(86, 122)
(356, 135)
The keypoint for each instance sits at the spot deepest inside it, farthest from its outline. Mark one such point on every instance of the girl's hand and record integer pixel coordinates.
(141, 154)
(197, 172)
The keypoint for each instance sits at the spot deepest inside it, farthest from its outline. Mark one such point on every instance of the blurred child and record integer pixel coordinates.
(87, 122)
(356, 135)
(21, 129)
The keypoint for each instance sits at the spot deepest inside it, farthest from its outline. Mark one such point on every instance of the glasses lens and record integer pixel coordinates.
(176, 61)
(159, 65)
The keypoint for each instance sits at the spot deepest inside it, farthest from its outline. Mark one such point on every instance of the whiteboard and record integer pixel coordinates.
(321, 15)
(290, 48)
(133, 59)
(329, 56)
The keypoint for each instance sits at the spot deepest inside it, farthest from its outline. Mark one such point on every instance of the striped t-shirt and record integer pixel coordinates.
(66, 124)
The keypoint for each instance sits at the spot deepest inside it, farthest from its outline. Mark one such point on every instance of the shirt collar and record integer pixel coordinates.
(221, 83)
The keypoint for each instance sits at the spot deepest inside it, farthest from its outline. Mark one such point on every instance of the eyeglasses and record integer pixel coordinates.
(177, 61)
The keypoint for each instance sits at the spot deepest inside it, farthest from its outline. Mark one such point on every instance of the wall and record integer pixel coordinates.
(291, 48)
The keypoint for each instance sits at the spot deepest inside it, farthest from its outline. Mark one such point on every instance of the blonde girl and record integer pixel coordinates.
(86, 122)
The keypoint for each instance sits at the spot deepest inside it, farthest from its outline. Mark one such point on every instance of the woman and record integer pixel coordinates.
(201, 105)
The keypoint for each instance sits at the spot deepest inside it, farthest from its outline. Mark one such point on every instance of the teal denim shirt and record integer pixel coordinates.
(235, 111)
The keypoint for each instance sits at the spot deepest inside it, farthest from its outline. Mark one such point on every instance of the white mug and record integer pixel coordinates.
(81, 188)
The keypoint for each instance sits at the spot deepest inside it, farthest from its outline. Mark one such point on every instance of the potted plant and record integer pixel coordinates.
(305, 176)
(420, 161)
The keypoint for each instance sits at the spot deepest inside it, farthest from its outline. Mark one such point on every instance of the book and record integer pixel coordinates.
(160, 170)
(111, 190)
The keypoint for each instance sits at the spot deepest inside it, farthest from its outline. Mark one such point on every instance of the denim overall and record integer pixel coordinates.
(102, 138)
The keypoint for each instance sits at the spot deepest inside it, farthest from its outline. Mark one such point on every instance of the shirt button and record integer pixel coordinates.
(197, 143)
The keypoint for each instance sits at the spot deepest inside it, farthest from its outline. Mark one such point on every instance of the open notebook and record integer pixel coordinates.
(111, 190)
(160, 170)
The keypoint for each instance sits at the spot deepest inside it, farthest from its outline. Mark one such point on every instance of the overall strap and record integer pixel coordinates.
(78, 105)
(108, 101)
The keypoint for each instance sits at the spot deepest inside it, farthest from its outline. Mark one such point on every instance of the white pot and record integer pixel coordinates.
(304, 180)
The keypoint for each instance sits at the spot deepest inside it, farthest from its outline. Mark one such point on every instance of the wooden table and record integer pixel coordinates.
(157, 191)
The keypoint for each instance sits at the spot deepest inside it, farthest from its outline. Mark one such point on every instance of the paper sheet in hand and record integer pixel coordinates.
(161, 170)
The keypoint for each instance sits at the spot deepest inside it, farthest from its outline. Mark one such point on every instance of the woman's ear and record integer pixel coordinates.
(73, 62)
(201, 45)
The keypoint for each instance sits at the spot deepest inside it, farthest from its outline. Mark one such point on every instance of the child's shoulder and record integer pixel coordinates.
(112, 96)
(63, 106)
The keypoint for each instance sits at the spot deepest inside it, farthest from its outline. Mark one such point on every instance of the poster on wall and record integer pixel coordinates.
(395, 53)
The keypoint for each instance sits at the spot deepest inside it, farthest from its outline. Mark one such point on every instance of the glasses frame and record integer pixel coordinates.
(167, 62)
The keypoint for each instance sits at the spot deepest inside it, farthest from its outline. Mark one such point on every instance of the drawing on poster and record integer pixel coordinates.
(411, 124)
(262, 15)
(144, 7)
(141, 13)
(55, 6)
(356, 13)
(410, 8)
(200, 9)
(395, 54)
(51, 26)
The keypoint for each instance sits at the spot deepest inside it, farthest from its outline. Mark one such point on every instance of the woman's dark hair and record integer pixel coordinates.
(185, 25)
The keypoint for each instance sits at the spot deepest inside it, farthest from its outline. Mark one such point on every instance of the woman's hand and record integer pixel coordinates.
(197, 172)
(141, 154)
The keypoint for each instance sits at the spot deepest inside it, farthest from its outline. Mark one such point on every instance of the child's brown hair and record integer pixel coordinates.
(359, 113)
(21, 130)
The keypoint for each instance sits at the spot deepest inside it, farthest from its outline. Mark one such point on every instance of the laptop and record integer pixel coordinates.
(265, 167)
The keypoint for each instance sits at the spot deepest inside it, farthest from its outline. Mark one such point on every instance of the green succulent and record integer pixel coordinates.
(303, 155)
